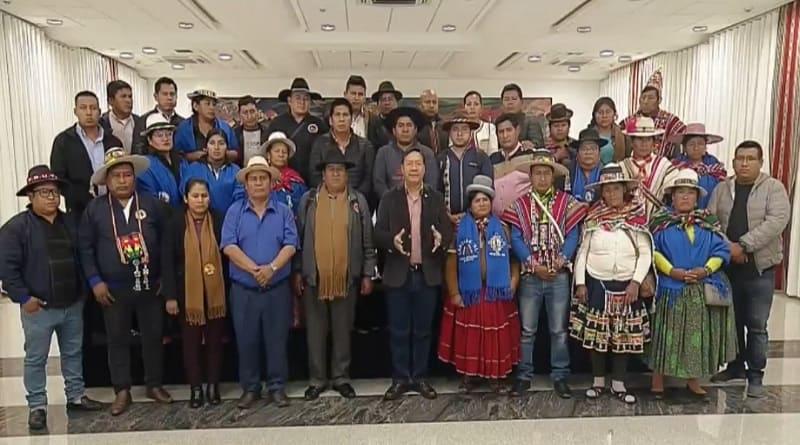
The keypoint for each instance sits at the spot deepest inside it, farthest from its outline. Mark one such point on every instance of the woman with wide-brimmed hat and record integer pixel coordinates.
(710, 170)
(693, 322)
(608, 316)
(290, 187)
(480, 324)
(167, 167)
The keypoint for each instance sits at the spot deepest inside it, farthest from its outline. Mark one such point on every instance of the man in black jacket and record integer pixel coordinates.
(298, 123)
(250, 133)
(166, 96)
(357, 150)
(120, 120)
(387, 98)
(41, 273)
(413, 231)
(78, 152)
(128, 256)
(432, 134)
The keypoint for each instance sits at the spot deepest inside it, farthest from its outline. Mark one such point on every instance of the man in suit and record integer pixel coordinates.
(120, 120)
(413, 231)
(166, 96)
(79, 150)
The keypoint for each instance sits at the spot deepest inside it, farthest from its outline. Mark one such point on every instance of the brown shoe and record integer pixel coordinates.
(121, 402)
(159, 394)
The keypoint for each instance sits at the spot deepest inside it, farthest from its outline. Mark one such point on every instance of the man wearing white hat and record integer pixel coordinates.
(259, 236)
(128, 261)
(654, 172)
(191, 134)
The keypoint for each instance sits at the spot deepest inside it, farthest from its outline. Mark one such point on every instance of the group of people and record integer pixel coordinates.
(632, 238)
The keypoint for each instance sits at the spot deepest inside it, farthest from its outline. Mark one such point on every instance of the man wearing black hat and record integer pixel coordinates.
(336, 264)
(78, 152)
(587, 165)
(298, 123)
(387, 98)
(559, 120)
(40, 272)
(531, 132)
(403, 122)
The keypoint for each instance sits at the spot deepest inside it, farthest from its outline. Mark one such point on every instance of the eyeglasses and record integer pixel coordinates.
(47, 193)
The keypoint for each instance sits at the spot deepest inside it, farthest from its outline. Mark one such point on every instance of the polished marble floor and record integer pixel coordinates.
(539, 417)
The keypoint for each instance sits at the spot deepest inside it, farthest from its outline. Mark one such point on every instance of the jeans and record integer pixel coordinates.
(410, 311)
(261, 319)
(38, 327)
(555, 297)
(752, 301)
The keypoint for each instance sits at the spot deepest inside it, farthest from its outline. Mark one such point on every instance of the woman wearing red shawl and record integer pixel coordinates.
(290, 187)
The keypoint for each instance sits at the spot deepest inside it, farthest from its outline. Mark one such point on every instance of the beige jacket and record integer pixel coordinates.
(768, 213)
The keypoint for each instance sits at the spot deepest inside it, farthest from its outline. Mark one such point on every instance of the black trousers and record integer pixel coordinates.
(149, 311)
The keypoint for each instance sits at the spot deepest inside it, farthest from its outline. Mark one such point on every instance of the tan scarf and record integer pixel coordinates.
(203, 273)
(330, 244)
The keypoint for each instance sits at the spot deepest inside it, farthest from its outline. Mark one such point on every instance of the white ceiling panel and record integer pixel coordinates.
(460, 13)
(413, 19)
(397, 60)
(366, 18)
(334, 60)
(365, 59)
(322, 12)
(428, 59)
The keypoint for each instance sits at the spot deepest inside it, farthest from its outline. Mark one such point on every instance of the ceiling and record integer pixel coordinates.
(492, 39)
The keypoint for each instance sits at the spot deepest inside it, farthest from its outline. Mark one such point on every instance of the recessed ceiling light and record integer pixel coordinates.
(624, 59)
(700, 28)
(574, 68)
(534, 58)
(177, 66)
(584, 29)
(327, 27)
(185, 25)
(607, 53)
(126, 55)
(55, 22)
(448, 28)
(225, 57)
(149, 50)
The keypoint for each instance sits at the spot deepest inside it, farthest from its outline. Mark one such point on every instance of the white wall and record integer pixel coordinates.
(579, 95)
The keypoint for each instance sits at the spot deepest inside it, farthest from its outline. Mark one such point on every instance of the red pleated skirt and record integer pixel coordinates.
(481, 340)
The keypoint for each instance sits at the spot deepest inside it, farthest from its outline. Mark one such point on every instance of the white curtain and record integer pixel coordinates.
(726, 83)
(38, 81)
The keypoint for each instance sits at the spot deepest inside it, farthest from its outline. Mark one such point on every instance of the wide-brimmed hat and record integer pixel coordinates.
(558, 113)
(275, 137)
(386, 87)
(540, 157)
(116, 156)
(258, 163)
(202, 93)
(483, 184)
(642, 127)
(588, 135)
(459, 117)
(299, 85)
(695, 129)
(416, 116)
(685, 178)
(612, 174)
(334, 156)
(156, 121)
(40, 174)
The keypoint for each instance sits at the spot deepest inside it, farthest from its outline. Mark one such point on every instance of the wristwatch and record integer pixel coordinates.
(272, 266)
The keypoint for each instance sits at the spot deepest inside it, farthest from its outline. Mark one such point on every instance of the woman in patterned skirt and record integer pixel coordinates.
(616, 253)
(691, 339)
(480, 331)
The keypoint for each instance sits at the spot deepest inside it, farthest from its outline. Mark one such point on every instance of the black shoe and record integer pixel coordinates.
(86, 404)
(395, 391)
(280, 398)
(346, 390)
(562, 389)
(313, 392)
(519, 388)
(731, 373)
(248, 399)
(212, 394)
(425, 390)
(196, 399)
(37, 419)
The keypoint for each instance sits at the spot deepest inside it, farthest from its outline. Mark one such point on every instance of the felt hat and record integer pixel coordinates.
(334, 156)
(588, 135)
(558, 113)
(156, 121)
(41, 174)
(642, 127)
(612, 174)
(386, 87)
(460, 118)
(541, 157)
(275, 137)
(685, 178)
(299, 85)
(483, 184)
(416, 116)
(695, 129)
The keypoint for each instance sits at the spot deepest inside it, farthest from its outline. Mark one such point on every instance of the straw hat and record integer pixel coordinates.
(686, 178)
(116, 156)
(156, 121)
(643, 127)
(275, 137)
(612, 174)
(258, 163)
(541, 157)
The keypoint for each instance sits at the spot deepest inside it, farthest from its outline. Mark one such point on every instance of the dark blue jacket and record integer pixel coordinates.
(186, 143)
(24, 267)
